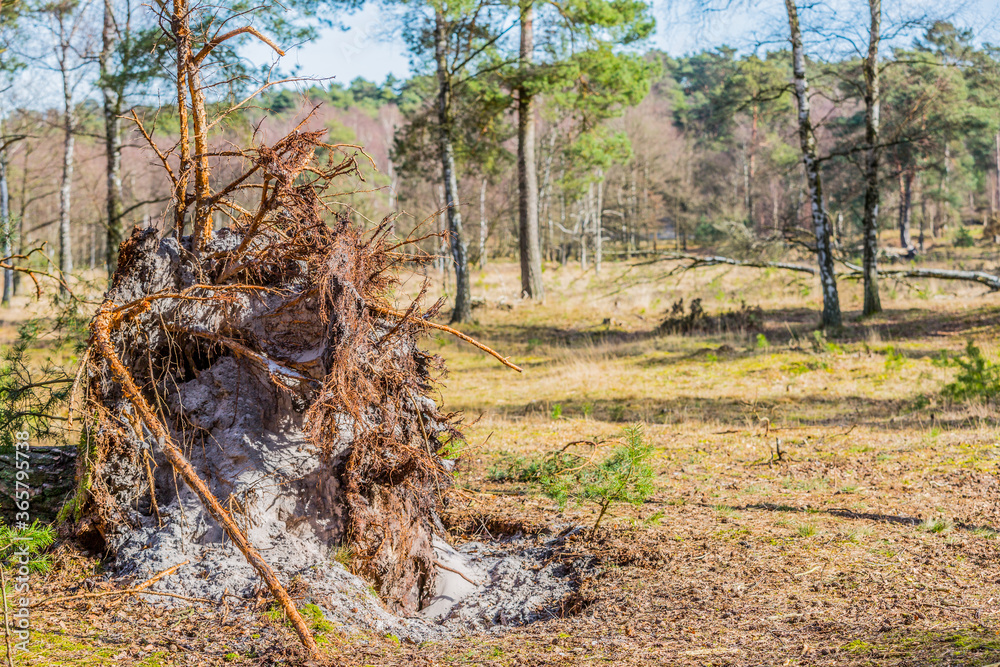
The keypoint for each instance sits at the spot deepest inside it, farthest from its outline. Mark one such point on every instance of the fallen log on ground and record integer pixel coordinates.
(855, 272)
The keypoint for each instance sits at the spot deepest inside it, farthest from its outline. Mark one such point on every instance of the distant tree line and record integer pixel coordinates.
(546, 132)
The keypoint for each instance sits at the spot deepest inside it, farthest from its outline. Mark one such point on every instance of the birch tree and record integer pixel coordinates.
(527, 166)
(831, 317)
(126, 64)
(8, 18)
(67, 22)
(872, 303)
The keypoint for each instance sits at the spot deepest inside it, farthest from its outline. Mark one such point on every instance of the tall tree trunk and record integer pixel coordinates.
(19, 245)
(112, 143)
(873, 105)
(459, 253)
(93, 247)
(751, 164)
(745, 159)
(821, 223)
(5, 227)
(202, 229)
(482, 224)
(905, 210)
(66, 186)
(599, 223)
(527, 168)
(946, 187)
(923, 215)
(634, 205)
(563, 245)
(545, 200)
(775, 205)
(997, 163)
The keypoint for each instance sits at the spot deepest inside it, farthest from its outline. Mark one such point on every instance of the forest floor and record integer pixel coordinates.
(871, 539)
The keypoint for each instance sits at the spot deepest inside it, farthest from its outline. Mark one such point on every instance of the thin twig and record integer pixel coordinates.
(441, 565)
(123, 591)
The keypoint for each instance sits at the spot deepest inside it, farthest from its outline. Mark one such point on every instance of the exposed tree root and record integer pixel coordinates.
(278, 327)
(101, 328)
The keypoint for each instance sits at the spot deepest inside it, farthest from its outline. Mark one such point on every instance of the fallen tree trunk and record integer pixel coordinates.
(700, 261)
(981, 277)
(855, 272)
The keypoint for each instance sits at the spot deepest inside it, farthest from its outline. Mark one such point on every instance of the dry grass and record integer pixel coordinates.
(873, 540)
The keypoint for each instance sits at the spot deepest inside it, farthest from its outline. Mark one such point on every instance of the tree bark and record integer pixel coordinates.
(923, 216)
(527, 168)
(831, 317)
(751, 167)
(997, 158)
(545, 199)
(202, 229)
(599, 223)
(5, 228)
(775, 205)
(905, 209)
(112, 98)
(69, 141)
(19, 245)
(182, 34)
(873, 105)
(482, 224)
(463, 297)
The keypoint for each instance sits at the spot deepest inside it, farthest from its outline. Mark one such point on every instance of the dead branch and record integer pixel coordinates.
(441, 565)
(700, 261)
(219, 39)
(156, 149)
(6, 263)
(458, 334)
(123, 591)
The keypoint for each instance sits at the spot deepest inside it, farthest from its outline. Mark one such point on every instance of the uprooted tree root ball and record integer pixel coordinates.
(271, 361)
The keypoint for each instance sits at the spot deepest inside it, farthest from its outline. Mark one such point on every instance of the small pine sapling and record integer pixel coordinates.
(977, 377)
(32, 540)
(625, 476)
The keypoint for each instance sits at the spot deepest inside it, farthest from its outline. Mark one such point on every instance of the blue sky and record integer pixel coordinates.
(367, 49)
